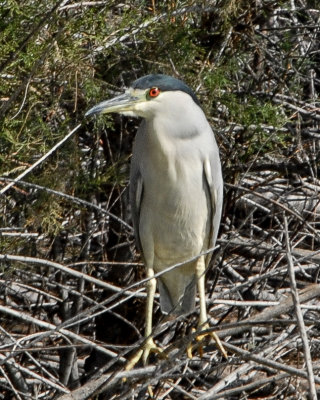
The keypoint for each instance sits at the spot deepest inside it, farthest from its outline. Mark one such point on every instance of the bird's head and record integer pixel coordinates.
(148, 96)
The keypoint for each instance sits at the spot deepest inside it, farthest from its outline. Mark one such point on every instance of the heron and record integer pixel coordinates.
(176, 194)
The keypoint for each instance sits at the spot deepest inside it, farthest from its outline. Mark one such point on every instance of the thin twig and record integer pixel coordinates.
(41, 159)
(244, 388)
(267, 362)
(270, 313)
(73, 199)
(70, 271)
(53, 329)
(297, 307)
(59, 387)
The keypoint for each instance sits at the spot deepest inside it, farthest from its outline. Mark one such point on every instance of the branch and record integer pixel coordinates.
(269, 363)
(73, 199)
(72, 272)
(271, 313)
(57, 330)
(302, 328)
(87, 390)
(41, 159)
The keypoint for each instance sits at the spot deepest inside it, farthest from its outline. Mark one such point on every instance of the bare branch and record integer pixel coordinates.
(301, 325)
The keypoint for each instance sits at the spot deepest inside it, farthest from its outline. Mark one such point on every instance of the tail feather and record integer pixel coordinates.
(177, 301)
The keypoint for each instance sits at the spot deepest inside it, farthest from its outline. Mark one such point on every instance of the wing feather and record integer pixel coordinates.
(136, 196)
(214, 183)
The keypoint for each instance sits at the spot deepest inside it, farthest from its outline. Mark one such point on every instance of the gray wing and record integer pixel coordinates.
(136, 182)
(136, 194)
(214, 182)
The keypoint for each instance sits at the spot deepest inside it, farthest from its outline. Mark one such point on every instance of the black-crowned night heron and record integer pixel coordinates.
(175, 191)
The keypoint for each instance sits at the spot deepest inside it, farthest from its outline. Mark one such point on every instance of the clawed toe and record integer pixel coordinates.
(148, 347)
(200, 338)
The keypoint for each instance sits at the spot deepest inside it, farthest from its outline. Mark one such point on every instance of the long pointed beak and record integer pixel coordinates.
(124, 102)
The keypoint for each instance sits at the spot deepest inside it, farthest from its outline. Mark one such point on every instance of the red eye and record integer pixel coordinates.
(154, 92)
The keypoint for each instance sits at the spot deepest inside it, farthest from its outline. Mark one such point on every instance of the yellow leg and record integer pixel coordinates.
(203, 319)
(149, 345)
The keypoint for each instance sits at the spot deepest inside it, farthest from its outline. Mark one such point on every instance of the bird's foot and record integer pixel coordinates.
(200, 339)
(148, 347)
(143, 354)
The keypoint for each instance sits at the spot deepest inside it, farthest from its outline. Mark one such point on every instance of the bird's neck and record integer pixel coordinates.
(166, 131)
